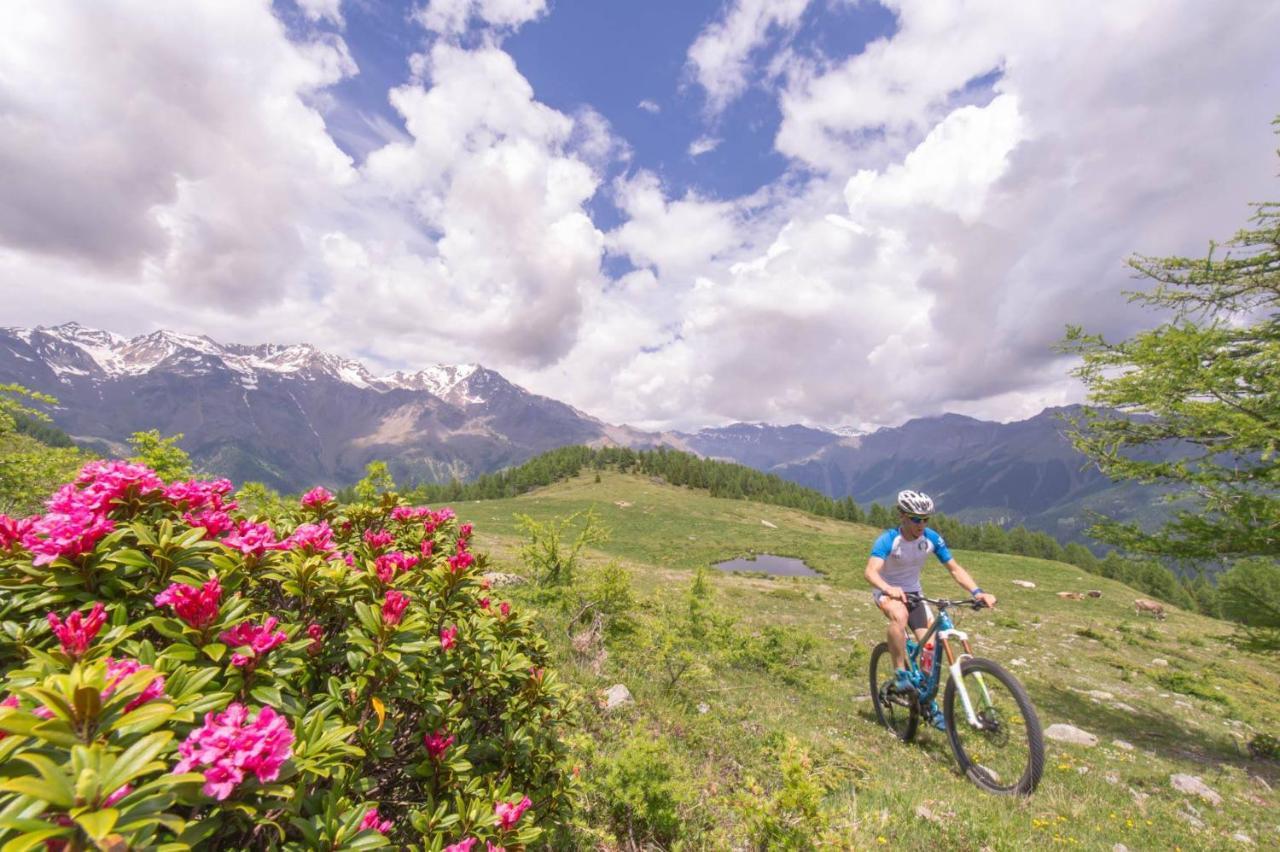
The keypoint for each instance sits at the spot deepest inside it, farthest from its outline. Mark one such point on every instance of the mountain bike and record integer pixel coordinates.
(991, 723)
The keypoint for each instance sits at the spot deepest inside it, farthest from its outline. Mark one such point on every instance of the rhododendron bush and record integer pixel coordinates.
(178, 675)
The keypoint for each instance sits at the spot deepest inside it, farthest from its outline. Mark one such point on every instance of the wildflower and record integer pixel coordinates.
(394, 606)
(106, 482)
(119, 670)
(460, 562)
(316, 498)
(230, 745)
(427, 546)
(388, 564)
(310, 538)
(408, 513)
(509, 813)
(349, 559)
(197, 607)
(110, 801)
(505, 609)
(78, 630)
(259, 640)
(448, 638)
(316, 632)
(252, 539)
(437, 743)
(214, 521)
(484, 603)
(199, 494)
(378, 539)
(65, 534)
(463, 845)
(492, 847)
(464, 532)
(12, 530)
(485, 584)
(371, 821)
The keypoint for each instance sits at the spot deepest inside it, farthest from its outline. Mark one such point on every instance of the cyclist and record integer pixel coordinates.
(897, 558)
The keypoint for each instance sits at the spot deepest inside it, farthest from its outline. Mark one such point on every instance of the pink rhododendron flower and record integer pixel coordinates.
(310, 538)
(316, 632)
(427, 546)
(408, 513)
(389, 564)
(78, 631)
(463, 845)
(509, 813)
(378, 539)
(461, 562)
(484, 603)
(485, 584)
(316, 498)
(200, 494)
(437, 743)
(259, 639)
(198, 607)
(118, 670)
(445, 514)
(110, 801)
(11, 701)
(66, 534)
(394, 606)
(371, 820)
(448, 638)
(493, 847)
(504, 608)
(12, 530)
(230, 745)
(104, 482)
(214, 521)
(464, 532)
(252, 539)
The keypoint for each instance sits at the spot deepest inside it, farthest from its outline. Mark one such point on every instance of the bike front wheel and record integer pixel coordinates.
(896, 711)
(1004, 752)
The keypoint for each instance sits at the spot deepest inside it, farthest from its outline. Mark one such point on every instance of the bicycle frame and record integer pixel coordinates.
(944, 629)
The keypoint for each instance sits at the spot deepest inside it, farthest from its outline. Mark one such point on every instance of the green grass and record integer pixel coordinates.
(784, 658)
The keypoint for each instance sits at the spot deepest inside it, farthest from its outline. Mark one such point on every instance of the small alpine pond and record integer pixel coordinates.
(767, 563)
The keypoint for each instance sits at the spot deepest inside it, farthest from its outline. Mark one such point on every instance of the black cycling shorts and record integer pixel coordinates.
(917, 615)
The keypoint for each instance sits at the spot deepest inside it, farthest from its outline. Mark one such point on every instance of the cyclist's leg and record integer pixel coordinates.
(896, 612)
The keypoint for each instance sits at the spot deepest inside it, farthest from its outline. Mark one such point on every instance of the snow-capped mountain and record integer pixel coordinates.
(290, 415)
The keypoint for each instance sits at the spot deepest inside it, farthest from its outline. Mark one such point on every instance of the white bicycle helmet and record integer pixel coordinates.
(915, 503)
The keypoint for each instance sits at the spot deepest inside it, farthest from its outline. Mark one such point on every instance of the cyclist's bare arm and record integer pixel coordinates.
(961, 576)
(874, 564)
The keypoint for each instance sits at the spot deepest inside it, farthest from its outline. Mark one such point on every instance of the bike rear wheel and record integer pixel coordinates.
(898, 712)
(1005, 753)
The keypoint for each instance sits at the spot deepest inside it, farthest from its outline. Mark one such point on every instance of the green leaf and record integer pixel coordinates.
(29, 785)
(215, 651)
(144, 718)
(267, 695)
(135, 760)
(32, 839)
(97, 824)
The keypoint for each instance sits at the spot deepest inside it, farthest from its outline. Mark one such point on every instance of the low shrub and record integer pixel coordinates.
(645, 791)
(174, 673)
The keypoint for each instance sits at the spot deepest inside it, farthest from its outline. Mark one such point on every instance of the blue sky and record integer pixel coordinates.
(669, 214)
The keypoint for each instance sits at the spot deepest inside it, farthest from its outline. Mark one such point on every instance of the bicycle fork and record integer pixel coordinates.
(953, 663)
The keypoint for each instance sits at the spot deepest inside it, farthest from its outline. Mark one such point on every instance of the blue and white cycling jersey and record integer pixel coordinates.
(904, 560)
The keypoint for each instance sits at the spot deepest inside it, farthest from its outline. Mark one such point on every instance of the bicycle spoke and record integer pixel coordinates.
(1001, 749)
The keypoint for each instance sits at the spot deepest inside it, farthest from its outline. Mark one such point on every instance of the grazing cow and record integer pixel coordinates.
(1142, 605)
(1071, 596)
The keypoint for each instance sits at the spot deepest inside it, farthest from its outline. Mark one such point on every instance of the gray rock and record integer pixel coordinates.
(498, 579)
(617, 696)
(1070, 734)
(1241, 837)
(1119, 847)
(1100, 695)
(1026, 584)
(704, 707)
(1159, 662)
(1193, 786)
(1124, 744)
(769, 525)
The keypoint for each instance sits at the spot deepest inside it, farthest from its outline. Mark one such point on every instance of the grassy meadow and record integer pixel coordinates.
(752, 725)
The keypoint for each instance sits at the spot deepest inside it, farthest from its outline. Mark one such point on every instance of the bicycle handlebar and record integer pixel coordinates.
(943, 603)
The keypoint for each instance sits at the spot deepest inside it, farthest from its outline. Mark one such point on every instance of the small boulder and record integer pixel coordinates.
(704, 707)
(1119, 847)
(769, 525)
(1070, 734)
(497, 579)
(1159, 662)
(1123, 744)
(1026, 584)
(926, 813)
(1193, 786)
(622, 504)
(1099, 695)
(1241, 837)
(617, 696)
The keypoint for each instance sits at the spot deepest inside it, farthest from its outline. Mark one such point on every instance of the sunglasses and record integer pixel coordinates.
(916, 519)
